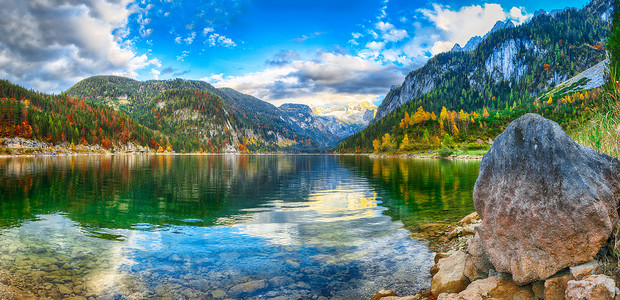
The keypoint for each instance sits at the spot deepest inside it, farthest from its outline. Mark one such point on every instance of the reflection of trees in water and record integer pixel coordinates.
(417, 190)
(121, 191)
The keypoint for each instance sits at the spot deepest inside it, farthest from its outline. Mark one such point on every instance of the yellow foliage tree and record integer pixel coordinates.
(386, 143)
(404, 122)
(433, 116)
(550, 101)
(406, 144)
(463, 116)
(485, 113)
(421, 116)
(376, 144)
(442, 118)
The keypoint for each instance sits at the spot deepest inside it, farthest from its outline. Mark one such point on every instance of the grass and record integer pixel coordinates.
(602, 131)
(478, 152)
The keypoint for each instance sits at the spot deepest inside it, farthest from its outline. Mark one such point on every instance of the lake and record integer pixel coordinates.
(223, 226)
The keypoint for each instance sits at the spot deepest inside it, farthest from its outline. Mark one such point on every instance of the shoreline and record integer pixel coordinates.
(111, 153)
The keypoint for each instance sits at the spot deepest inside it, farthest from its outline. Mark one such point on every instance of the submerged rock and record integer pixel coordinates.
(248, 287)
(546, 202)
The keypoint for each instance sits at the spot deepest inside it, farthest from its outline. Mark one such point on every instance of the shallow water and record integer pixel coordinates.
(196, 227)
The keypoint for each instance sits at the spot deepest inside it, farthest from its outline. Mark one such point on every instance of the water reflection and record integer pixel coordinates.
(201, 226)
(419, 190)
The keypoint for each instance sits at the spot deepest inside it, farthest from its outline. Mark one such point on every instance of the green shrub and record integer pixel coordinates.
(445, 152)
(476, 146)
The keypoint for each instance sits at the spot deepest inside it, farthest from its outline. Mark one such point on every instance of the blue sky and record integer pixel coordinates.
(319, 52)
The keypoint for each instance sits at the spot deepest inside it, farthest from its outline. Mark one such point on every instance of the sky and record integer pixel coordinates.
(317, 52)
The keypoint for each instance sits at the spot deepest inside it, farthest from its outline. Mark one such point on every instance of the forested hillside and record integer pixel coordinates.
(508, 70)
(63, 119)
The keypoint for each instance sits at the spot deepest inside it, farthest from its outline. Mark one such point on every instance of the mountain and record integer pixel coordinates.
(509, 65)
(59, 119)
(359, 113)
(508, 70)
(328, 126)
(242, 122)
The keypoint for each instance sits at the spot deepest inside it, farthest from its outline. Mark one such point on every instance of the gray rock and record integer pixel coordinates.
(200, 284)
(546, 202)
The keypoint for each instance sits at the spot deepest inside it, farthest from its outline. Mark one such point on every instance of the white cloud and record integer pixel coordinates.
(183, 55)
(395, 35)
(190, 39)
(155, 73)
(519, 16)
(375, 46)
(384, 26)
(323, 79)
(220, 40)
(50, 45)
(178, 39)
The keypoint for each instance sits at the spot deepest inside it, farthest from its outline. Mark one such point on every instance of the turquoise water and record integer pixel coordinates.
(210, 227)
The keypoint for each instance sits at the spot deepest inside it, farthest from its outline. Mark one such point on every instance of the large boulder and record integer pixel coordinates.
(546, 202)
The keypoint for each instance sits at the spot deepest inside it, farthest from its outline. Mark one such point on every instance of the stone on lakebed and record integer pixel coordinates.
(546, 202)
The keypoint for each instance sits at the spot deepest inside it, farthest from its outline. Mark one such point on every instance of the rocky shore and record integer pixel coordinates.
(18, 146)
(545, 225)
(429, 155)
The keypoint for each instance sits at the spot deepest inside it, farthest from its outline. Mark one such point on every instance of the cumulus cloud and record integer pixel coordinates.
(50, 45)
(323, 79)
(458, 26)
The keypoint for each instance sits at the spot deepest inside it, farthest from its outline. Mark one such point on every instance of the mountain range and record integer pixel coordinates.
(243, 122)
